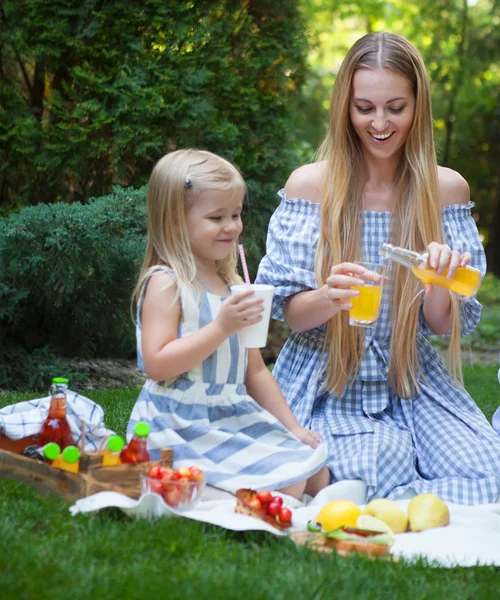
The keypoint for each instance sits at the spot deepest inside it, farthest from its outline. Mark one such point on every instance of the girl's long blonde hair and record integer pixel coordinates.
(416, 218)
(173, 188)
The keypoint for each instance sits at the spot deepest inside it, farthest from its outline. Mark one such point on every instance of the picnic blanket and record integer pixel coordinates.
(26, 418)
(472, 538)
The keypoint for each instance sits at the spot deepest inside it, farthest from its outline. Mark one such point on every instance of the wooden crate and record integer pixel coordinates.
(91, 478)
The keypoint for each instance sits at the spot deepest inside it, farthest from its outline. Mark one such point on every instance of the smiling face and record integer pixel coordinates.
(381, 110)
(214, 224)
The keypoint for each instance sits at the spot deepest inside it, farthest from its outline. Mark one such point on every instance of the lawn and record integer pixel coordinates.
(47, 553)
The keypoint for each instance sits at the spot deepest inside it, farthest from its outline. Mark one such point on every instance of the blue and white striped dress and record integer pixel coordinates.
(438, 441)
(210, 421)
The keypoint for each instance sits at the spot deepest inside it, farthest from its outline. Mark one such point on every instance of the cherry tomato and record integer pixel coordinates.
(172, 496)
(273, 508)
(163, 471)
(285, 515)
(265, 497)
(156, 487)
(278, 500)
(154, 472)
(196, 474)
(183, 472)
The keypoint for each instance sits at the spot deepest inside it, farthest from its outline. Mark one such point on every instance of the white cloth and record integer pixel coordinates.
(26, 418)
(472, 538)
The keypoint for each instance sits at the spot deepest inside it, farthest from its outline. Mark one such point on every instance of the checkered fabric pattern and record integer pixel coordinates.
(26, 418)
(438, 441)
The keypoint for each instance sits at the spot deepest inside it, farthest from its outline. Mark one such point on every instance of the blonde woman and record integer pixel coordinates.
(215, 403)
(389, 410)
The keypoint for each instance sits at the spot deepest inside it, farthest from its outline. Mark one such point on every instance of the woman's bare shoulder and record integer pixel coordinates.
(306, 182)
(453, 188)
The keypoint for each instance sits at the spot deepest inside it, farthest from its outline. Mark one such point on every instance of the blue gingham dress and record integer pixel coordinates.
(438, 441)
(209, 420)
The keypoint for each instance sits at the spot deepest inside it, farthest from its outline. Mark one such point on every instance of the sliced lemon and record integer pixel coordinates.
(374, 524)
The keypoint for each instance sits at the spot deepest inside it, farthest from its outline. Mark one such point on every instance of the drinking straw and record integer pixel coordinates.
(244, 264)
(103, 442)
(82, 439)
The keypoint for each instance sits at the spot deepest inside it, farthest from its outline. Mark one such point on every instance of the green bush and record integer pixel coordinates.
(67, 275)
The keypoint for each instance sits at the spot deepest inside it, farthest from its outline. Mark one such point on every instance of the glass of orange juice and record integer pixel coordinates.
(366, 306)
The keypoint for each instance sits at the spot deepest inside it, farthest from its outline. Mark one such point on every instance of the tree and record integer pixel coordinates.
(460, 43)
(94, 92)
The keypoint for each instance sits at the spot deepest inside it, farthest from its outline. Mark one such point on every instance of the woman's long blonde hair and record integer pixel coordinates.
(173, 188)
(416, 218)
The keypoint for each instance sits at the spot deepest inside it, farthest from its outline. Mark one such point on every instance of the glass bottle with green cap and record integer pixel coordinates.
(136, 451)
(56, 428)
(51, 451)
(111, 454)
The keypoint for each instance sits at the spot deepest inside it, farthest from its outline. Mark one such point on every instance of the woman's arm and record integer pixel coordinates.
(453, 189)
(166, 355)
(264, 389)
(307, 310)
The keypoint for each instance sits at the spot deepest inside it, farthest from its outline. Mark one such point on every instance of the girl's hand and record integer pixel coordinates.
(239, 311)
(343, 277)
(442, 257)
(306, 436)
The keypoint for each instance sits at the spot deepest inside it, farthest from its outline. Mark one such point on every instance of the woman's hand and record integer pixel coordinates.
(442, 257)
(239, 311)
(306, 436)
(343, 277)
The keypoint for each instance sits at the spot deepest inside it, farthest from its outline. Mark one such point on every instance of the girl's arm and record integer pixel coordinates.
(265, 390)
(166, 355)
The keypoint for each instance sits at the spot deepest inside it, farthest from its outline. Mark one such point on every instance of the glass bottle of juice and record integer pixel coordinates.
(111, 454)
(51, 451)
(466, 280)
(136, 451)
(56, 428)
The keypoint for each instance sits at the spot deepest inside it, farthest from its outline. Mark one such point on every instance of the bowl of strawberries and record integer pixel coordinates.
(181, 488)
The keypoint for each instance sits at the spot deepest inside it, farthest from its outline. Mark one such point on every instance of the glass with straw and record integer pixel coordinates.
(254, 336)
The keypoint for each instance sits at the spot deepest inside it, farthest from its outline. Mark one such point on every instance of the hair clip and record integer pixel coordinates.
(188, 183)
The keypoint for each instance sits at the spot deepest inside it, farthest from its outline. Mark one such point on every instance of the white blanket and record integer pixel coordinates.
(472, 538)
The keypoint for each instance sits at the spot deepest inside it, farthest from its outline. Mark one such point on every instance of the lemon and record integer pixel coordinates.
(389, 512)
(374, 524)
(338, 513)
(427, 511)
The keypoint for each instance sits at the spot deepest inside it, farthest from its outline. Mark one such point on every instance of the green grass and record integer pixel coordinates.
(47, 553)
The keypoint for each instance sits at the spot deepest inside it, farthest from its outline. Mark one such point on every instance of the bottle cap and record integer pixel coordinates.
(142, 429)
(60, 380)
(71, 454)
(115, 443)
(51, 451)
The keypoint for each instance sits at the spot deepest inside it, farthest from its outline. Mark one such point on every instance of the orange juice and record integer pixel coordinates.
(466, 280)
(366, 306)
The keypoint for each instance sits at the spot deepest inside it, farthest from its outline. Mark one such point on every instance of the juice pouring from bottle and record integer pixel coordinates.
(136, 451)
(56, 428)
(466, 280)
(111, 454)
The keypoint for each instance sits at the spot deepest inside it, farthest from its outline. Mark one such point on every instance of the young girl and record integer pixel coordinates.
(383, 400)
(216, 405)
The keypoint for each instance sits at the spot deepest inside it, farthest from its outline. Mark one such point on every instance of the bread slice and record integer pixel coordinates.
(243, 497)
(322, 543)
